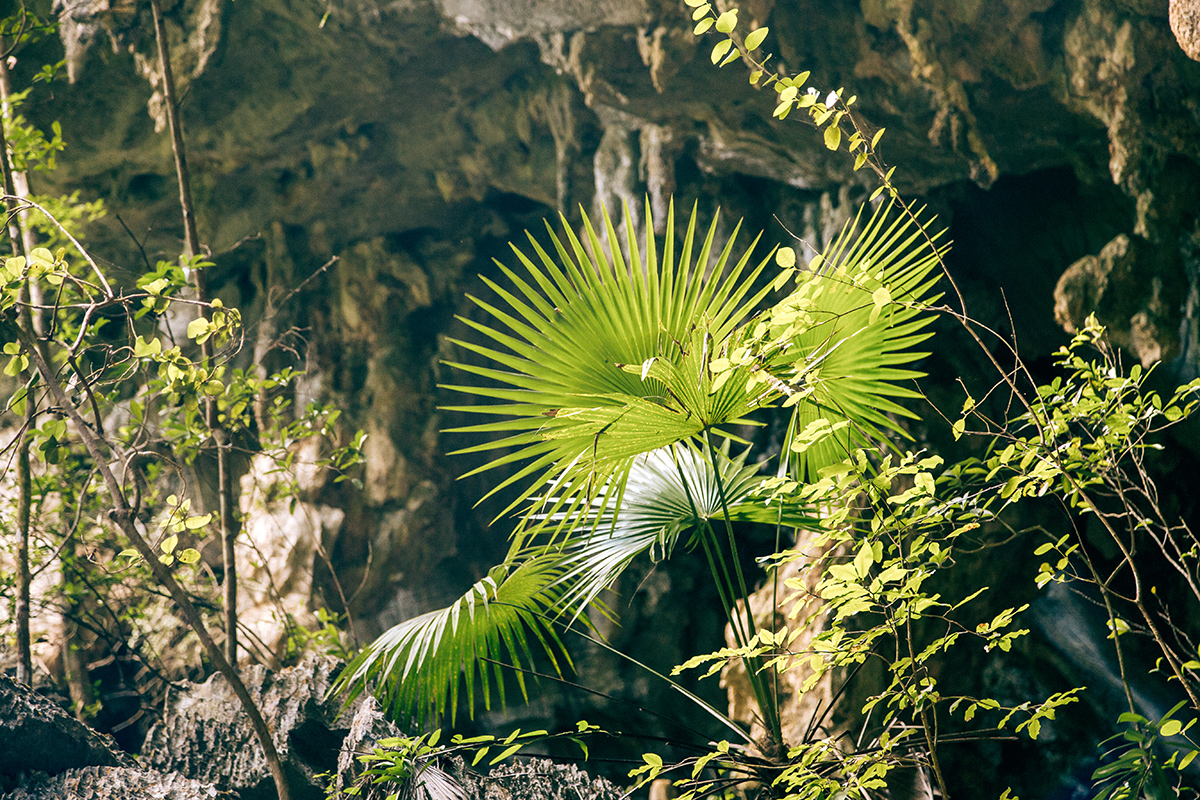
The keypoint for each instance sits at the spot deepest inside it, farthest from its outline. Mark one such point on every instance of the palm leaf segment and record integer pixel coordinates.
(848, 330)
(603, 358)
(419, 667)
(669, 496)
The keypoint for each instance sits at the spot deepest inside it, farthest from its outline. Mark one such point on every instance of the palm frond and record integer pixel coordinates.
(669, 494)
(596, 356)
(864, 312)
(418, 668)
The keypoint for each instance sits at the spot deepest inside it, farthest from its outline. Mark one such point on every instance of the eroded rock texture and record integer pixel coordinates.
(206, 736)
(115, 783)
(537, 780)
(37, 735)
(411, 140)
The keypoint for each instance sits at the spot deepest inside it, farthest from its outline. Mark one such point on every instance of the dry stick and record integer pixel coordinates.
(229, 528)
(122, 516)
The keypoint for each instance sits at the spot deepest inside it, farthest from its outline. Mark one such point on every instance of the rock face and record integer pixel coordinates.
(38, 735)
(538, 780)
(1112, 285)
(366, 729)
(115, 783)
(205, 735)
(413, 139)
(1185, 24)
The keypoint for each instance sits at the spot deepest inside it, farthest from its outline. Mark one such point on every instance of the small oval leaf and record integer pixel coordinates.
(755, 38)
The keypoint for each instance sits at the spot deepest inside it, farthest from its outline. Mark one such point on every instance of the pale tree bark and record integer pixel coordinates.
(24, 479)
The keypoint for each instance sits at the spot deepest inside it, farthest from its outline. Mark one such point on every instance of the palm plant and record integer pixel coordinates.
(613, 368)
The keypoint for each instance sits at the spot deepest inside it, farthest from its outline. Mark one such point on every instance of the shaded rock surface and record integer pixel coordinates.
(1185, 24)
(1039, 130)
(38, 735)
(536, 779)
(115, 783)
(206, 736)
(366, 729)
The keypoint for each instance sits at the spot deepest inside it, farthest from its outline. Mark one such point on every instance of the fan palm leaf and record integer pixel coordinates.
(608, 368)
(419, 667)
(669, 495)
(598, 357)
(865, 313)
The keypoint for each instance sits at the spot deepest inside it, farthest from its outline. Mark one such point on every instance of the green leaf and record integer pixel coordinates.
(879, 298)
(850, 363)
(727, 21)
(721, 48)
(143, 348)
(833, 137)
(785, 257)
(702, 26)
(1170, 727)
(864, 560)
(755, 38)
(197, 327)
(16, 365)
(189, 556)
(168, 544)
(564, 329)
(1010, 486)
(505, 753)
(42, 257)
(420, 667)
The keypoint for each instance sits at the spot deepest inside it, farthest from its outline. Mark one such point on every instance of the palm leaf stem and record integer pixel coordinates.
(766, 699)
(725, 588)
(611, 698)
(720, 575)
(737, 566)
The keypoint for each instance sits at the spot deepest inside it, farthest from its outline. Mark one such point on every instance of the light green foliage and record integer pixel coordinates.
(410, 767)
(112, 354)
(1135, 767)
(1083, 440)
(327, 638)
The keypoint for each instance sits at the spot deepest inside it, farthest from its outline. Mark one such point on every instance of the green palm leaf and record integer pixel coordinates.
(863, 312)
(669, 495)
(419, 667)
(597, 358)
